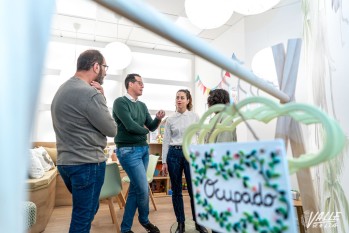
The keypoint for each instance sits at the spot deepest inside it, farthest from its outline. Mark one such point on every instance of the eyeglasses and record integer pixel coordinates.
(105, 67)
(139, 82)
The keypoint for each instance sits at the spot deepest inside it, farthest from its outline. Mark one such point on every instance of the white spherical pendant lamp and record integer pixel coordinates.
(252, 7)
(117, 55)
(208, 14)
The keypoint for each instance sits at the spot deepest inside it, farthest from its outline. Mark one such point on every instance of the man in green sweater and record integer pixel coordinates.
(134, 123)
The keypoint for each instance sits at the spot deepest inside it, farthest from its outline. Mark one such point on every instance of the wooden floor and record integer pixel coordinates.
(163, 218)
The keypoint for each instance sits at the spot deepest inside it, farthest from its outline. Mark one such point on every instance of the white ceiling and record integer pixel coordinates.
(85, 20)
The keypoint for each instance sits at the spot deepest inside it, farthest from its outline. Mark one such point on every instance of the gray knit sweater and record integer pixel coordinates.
(81, 121)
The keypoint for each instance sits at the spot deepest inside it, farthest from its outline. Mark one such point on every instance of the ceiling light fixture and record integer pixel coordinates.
(117, 55)
(208, 14)
(76, 27)
(252, 7)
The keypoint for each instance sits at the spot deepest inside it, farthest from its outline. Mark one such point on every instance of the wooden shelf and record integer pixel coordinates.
(161, 177)
(155, 148)
(163, 194)
(162, 184)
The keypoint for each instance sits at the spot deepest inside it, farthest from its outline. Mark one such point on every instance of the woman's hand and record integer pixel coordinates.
(164, 169)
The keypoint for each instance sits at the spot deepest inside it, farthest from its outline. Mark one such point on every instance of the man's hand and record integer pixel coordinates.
(160, 114)
(97, 86)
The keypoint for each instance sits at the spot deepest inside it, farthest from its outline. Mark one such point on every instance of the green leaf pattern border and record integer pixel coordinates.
(226, 171)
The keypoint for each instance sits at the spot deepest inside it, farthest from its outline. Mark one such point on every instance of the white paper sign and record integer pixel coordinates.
(242, 187)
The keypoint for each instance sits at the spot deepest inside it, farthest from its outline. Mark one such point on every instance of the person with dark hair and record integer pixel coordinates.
(134, 123)
(82, 121)
(221, 96)
(173, 160)
(218, 96)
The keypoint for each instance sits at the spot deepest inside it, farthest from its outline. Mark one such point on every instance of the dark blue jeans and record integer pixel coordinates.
(85, 183)
(176, 163)
(135, 162)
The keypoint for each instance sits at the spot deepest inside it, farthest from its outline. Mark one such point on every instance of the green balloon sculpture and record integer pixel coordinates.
(265, 111)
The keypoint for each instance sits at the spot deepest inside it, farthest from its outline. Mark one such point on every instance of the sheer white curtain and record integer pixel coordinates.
(24, 36)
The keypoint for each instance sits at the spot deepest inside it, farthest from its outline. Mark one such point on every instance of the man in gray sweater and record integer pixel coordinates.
(82, 121)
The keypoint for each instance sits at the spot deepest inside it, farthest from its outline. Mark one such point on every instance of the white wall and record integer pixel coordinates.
(250, 35)
(272, 27)
(265, 30)
(232, 41)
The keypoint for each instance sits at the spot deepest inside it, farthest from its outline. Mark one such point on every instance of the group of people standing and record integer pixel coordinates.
(82, 122)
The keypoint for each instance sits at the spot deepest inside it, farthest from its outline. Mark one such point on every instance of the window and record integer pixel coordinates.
(161, 67)
(163, 75)
(159, 96)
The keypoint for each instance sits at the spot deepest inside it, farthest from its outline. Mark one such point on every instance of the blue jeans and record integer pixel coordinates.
(176, 163)
(85, 183)
(135, 162)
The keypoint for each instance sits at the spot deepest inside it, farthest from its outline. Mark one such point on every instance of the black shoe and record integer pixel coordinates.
(200, 229)
(151, 228)
(128, 232)
(180, 227)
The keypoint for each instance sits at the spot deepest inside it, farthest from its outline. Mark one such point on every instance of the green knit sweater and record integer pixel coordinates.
(131, 119)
